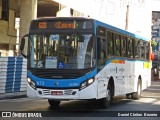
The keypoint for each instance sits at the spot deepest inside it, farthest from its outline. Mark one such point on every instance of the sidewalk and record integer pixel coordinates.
(13, 95)
(154, 88)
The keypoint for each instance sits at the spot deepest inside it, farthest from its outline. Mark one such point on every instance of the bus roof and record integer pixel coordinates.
(113, 28)
(60, 18)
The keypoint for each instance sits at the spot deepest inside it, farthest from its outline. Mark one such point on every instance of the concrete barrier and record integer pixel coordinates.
(13, 74)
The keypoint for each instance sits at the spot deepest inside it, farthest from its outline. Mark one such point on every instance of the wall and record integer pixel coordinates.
(8, 34)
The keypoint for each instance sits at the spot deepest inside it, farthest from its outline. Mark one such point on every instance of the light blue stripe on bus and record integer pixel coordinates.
(64, 83)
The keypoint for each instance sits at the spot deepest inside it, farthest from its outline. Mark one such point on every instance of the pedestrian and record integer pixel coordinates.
(155, 73)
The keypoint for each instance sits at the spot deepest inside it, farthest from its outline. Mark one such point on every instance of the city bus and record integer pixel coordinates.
(77, 58)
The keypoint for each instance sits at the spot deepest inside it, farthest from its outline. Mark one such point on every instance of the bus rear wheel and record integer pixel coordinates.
(54, 104)
(137, 95)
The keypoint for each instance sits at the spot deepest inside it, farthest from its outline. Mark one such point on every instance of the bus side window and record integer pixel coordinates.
(110, 39)
(117, 45)
(130, 48)
(142, 53)
(147, 51)
(137, 49)
(101, 49)
(123, 46)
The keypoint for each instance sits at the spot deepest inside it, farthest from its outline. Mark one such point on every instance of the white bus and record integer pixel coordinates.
(81, 59)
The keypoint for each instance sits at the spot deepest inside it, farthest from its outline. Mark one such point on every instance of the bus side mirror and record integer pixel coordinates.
(22, 46)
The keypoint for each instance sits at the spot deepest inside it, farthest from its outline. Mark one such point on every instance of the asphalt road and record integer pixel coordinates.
(150, 101)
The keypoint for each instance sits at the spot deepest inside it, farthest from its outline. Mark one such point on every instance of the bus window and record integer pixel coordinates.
(117, 45)
(101, 51)
(123, 46)
(142, 53)
(110, 39)
(130, 48)
(137, 48)
(147, 51)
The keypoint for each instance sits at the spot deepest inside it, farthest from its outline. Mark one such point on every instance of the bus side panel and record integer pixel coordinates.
(125, 74)
(129, 75)
(102, 83)
(143, 70)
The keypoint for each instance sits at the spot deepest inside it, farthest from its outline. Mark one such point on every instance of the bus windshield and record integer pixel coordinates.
(62, 51)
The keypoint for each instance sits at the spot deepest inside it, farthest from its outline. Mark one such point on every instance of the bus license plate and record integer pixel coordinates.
(56, 93)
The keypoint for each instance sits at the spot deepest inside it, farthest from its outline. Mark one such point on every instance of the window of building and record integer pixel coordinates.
(5, 10)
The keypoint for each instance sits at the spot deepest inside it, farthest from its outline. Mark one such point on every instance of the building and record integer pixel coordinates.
(15, 17)
(8, 33)
(156, 37)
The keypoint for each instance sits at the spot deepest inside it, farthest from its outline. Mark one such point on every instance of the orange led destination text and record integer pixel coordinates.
(42, 25)
(61, 25)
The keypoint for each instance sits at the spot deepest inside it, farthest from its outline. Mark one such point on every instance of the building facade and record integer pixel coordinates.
(8, 33)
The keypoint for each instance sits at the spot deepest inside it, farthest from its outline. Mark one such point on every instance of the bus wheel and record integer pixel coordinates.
(137, 95)
(128, 96)
(105, 102)
(53, 103)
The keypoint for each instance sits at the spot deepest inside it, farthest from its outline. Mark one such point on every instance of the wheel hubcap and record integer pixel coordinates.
(139, 89)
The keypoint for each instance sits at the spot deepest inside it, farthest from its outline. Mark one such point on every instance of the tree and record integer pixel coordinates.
(153, 43)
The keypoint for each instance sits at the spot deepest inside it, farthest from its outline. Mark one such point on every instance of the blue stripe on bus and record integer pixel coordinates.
(64, 83)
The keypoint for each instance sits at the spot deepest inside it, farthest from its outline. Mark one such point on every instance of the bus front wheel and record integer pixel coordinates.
(53, 103)
(105, 102)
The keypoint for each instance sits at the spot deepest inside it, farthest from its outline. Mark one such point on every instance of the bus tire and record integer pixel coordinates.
(54, 104)
(137, 95)
(128, 96)
(105, 102)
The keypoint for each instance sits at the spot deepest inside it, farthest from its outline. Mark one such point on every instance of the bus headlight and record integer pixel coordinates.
(86, 83)
(31, 83)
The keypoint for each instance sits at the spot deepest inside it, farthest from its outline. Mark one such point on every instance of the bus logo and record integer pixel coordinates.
(56, 83)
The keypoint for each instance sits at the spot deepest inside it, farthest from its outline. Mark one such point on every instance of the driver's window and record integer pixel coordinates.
(101, 51)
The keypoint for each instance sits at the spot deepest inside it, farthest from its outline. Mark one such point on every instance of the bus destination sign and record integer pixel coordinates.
(63, 25)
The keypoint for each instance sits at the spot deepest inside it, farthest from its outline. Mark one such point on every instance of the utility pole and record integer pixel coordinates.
(127, 17)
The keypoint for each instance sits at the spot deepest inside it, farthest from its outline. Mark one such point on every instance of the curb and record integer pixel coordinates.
(13, 95)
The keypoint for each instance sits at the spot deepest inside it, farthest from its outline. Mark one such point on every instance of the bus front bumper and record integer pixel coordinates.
(63, 94)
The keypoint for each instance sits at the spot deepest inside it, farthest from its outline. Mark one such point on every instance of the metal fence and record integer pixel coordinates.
(13, 74)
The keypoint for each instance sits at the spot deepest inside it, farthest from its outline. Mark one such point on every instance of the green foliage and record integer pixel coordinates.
(153, 43)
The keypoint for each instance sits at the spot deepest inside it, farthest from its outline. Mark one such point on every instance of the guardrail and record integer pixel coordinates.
(13, 74)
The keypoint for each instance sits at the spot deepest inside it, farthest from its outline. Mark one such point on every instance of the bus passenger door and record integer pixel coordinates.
(101, 60)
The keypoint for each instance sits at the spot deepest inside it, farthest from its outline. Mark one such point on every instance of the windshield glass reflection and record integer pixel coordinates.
(62, 51)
